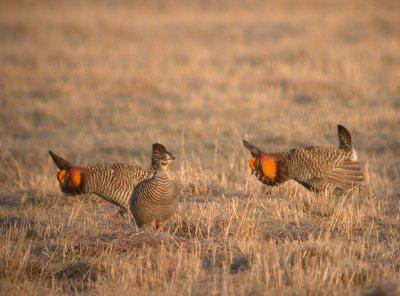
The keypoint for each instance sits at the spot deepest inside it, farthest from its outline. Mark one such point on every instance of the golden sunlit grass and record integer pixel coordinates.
(101, 81)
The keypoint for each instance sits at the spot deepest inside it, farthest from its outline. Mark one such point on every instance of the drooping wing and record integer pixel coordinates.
(320, 168)
(346, 175)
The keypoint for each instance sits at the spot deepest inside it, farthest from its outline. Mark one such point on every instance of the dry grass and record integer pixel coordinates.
(100, 82)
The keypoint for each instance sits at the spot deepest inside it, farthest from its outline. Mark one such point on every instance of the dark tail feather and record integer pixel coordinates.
(61, 163)
(253, 150)
(344, 138)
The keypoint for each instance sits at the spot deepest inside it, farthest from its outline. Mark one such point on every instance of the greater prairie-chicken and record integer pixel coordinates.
(316, 168)
(113, 182)
(155, 200)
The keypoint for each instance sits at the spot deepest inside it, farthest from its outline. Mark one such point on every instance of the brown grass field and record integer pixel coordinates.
(99, 82)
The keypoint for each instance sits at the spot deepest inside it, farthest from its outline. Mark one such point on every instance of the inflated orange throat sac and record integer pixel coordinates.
(269, 166)
(61, 175)
(252, 163)
(76, 176)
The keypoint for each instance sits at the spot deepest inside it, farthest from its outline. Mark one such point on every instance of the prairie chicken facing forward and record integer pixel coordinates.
(113, 182)
(316, 168)
(155, 200)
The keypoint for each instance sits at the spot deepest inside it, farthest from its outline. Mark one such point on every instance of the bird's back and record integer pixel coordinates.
(114, 182)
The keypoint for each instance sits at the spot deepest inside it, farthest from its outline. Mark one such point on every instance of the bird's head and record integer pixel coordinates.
(161, 157)
(264, 165)
(70, 180)
(69, 177)
(267, 164)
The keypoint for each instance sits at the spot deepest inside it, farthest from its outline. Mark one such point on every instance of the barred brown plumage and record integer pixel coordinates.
(316, 168)
(113, 182)
(155, 200)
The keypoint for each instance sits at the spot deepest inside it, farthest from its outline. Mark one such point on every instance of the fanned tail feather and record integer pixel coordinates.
(344, 139)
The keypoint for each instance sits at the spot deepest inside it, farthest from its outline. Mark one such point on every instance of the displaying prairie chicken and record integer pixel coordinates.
(155, 200)
(113, 182)
(316, 168)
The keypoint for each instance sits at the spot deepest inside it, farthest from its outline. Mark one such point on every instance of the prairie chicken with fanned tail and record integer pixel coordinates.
(316, 168)
(113, 182)
(155, 200)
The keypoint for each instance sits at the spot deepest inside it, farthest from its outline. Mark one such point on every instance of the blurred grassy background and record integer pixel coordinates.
(98, 81)
(101, 81)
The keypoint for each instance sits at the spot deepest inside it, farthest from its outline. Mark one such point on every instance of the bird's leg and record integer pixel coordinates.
(119, 215)
(132, 222)
(159, 226)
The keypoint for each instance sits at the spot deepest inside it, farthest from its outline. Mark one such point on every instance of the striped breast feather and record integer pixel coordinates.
(157, 189)
(151, 199)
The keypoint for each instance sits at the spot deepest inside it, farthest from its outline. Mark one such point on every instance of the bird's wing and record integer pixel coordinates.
(324, 168)
(346, 175)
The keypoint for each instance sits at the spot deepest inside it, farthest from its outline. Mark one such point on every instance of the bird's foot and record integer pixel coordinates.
(159, 227)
